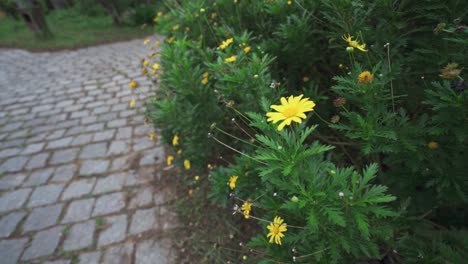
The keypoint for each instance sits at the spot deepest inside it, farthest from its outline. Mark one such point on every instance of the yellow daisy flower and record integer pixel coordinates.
(169, 160)
(247, 49)
(230, 59)
(433, 145)
(152, 136)
(179, 152)
(204, 81)
(175, 140)
(133, 84)
(232, 182)
(155, 67)
(146, 41)
(176, 27)
(132, 103)
(292, 109)
(277, 228)
(365, 77)
(246, 208)
(226, 43)
(354, 43)
(197, 178)
(146, 62)
(187, 164)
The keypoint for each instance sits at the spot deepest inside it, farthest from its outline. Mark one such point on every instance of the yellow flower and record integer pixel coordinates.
(187, 164)
(292, 109)
(247, 49)
(190, 192)
(197, 178)
(144, 71)
(305, 79)
(246, 208)
(152, 136)
(171, 39)
(159, 14)
(206, 75)
(232, 182)
(186, 29)
(146, 41)
(209, 166)
(146, 62)
(289, 2)
(175, 140)
(433, 145)
(176, 27)
(169, 160)
(230, 59)
(450, 71)
(155, 67)
(354, 43)
(204, 81)
(133, 84)
(226, 43)
(179, 152)
(157, 43)
(365, 77)
(277, 228)
(202, 10)
(132, 102)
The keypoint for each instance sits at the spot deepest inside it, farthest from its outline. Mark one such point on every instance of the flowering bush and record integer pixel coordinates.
(365, 157)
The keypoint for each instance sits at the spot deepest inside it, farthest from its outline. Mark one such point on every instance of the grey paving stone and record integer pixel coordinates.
(119, 254)
(46, 194)
(14, 164)
(124, 132)
(39, 177)
(33, 148)
(122, 163)
(151, 252)
(81, 236)
(37, 161)
(78, 188)
(142, 176)
(142, 130)
(79, 210)
(9, 152)
(56, 134)
(97, 150)
(10, 250)
(113, 182)
(94, 127)
(91, 167)
(109, 203)
(143, 220)
(142, 198)
(64, 173)
(42, 217)
(82, 139)
(14, 199)
(9, 222)
(153, 156)
(142, 143)
(60, 143)
(115, 230)
(11, 181)
(118, 147)
(117, 123)
(65, 261)
(43, 244)
(64, 156)
(104, 135)
(90, 258)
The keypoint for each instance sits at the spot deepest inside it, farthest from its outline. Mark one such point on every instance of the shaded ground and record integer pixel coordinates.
(78, 171)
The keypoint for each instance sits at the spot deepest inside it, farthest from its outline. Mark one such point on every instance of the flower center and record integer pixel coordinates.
(290, 112)
(275, 229)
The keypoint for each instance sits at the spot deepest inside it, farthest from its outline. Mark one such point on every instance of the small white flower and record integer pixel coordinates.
(341, 194)
(274, 194)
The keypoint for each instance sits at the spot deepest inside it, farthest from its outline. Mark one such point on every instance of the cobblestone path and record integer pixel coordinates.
(78, 171)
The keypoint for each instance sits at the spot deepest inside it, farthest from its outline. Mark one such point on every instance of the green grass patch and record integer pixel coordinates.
(70, 30)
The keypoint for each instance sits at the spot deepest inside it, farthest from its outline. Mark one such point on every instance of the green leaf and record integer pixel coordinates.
(362, 224)
(312, 221)
(335, 216)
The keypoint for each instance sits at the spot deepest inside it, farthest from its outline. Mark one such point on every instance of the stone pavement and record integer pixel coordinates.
(78, 171)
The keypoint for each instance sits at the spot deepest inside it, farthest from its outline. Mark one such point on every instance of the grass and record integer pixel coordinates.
(70, 30)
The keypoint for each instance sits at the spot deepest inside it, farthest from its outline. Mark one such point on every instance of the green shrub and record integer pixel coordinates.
(390, 98)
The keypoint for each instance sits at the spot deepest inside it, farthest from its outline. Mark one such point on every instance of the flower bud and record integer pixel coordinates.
(350, 49)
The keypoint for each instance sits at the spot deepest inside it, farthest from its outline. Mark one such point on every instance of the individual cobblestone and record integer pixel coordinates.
(42, 217)
(81, 236)
(113, 182)
(90, 258)
(44, 195)
(93, 167)
(10, 250)
(78, 188)
(43, 244)
(79, 210)
(39, 177)
(109, 203)
(143, 220)
(14, 199)
(8, 223)
(11, 181)
(116, 227)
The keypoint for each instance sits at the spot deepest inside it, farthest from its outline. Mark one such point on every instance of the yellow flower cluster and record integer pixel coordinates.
(226, 43)
(232, 182)
(365, 77)
(205, 75)
(230, 59)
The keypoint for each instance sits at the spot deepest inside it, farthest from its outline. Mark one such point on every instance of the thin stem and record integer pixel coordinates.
(243, 130)
(391, 80)
(326, 122)
(311, 254)
(240, 152)
(228, 134)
